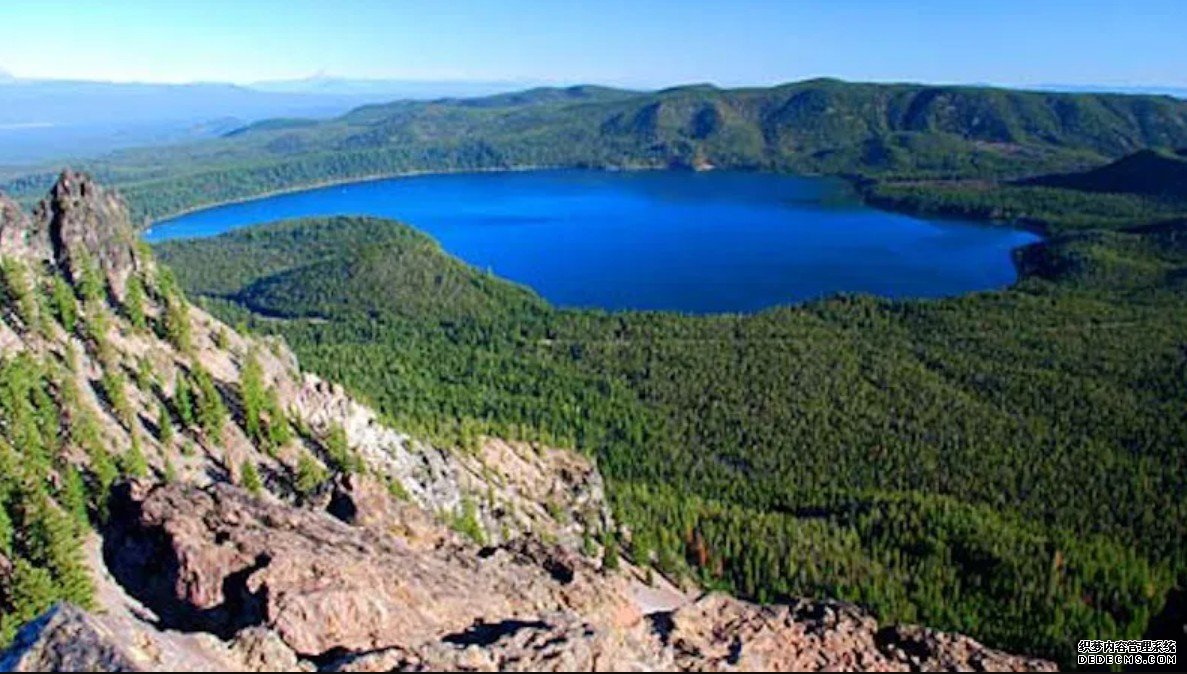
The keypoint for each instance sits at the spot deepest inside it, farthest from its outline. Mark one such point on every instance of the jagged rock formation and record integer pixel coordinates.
(292, 588)
(323, 586)
(347, 545)
(76, 223)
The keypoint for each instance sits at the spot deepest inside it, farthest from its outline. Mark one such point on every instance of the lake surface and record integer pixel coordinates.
(694, 242)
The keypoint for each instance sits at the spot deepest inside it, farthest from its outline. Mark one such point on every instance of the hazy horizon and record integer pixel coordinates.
(650, 45)
(515, 85)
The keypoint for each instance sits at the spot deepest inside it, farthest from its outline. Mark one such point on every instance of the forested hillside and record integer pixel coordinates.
(818, 126)
(1147, 172)
(1006, 464)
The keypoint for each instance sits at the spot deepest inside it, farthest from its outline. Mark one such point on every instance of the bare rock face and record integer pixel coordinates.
(720, 633)
(362, 500)
(20, 236)
(291, 588)
(261, 650)
(556, 643)
(82, 219)
(515, 487)
(76, 220)
(220, 560)
(67, 639)
(943, 651)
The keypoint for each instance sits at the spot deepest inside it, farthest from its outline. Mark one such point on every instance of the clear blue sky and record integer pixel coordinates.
(626, 42)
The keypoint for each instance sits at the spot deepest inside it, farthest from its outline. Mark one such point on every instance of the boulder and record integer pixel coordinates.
(67, 639)
(220, 560)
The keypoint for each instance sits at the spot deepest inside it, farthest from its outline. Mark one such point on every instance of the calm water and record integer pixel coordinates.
(696, 242)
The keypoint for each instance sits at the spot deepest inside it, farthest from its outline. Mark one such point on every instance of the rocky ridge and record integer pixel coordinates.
(345, 544)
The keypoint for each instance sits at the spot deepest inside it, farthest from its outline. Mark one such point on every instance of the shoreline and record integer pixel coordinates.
(855, 182)
(852, 183)
(375, 177)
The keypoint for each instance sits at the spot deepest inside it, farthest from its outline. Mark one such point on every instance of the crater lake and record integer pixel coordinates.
(717, 241)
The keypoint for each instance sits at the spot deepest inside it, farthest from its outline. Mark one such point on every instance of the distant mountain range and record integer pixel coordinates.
(42, 120)
(389, 89)
(821, 126)
(1151, 90)
(58, 120)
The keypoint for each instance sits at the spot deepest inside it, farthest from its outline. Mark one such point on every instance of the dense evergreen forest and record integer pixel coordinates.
(879, 131)
(1005, 464)
(1146, 186)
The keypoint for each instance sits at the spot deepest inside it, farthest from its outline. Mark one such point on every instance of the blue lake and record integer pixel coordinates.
(694, 242)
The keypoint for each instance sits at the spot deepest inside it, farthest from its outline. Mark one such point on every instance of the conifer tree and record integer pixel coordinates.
(211, 413)
(63, 303)
(251, 386)
(164, 424)
(183, 400)
(249, 477)
(134, 303)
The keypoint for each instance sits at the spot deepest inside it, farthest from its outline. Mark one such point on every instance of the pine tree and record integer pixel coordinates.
(587, 544)
(249, 477)
(92, 285)
(134, 303)
(18, 291)
(310, 475)
(341, 457)
(251, 386)
(73, 494)
(610, 560)
(6, 531)
(63, 303)
(176, 324)
(183, 400)
(170, 475)
(465, 521)
(132, 461)
(279, 430)
(31, 592)
(50, 539)
(212, 413)
(164, 424)
(144, 375)
(105, 473)
(115, 388)
(96, 327)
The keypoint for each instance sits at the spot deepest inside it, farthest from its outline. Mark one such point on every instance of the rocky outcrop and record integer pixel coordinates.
(88, 224)
(722, 633)
(19, 237)
(218, 560)
(78, 223)
(514, 487)
(67, 639)
(290, 587)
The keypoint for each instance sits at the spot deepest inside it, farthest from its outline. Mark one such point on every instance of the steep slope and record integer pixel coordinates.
(221, 509)
(109, 372)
